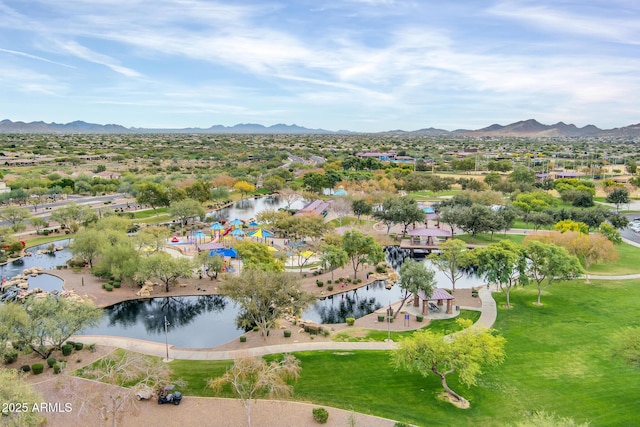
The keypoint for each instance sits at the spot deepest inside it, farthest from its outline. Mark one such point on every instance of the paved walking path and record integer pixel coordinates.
(488, 314)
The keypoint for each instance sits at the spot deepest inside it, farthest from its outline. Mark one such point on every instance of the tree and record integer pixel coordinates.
(361, 207)
(588, 248)
(253, 377)
(244, 188)
(15, 390)
(258, 255)
(478, 219)
(185, 210)
(273, 183)
(73, 215)
(53, 320)
(153, 236)
(360, 249)
(129, 371)
(399, 210)
(13, 319)
(549, 261)
(492, 178)
(414, 278)
(632, 166)
(610, 232)
(503, 263)
(314, 181)
(619, 221)
(165, 268)
(465, 353)
(38, 223)
(87, 244)
(341, 207)
(333, 257)
(452, 259)
(212, 264)
(220, 193)
(289, 196)
(15, 216)
(626, 346)
(264, 297)
(199, 190)
(619, 196)
(118, 257)
(570, 225)
(522, 175)
(152, 194)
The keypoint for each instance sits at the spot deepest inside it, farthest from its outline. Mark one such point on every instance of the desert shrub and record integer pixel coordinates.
(256, 329)
(51, 361)
(381, 269)
(117, 284)
(56, 368)
(325, 331)
(10, 356)
(67, 349)
(243, 338)
(330, 288)
(25, 368)
(108, 287)
(287, 333)
(320, 283)
(350, 321)
(348, 279)
(380, 317)
(37, 368)
(320, 415)
(419, 318)
(78, 346)
(328, 281)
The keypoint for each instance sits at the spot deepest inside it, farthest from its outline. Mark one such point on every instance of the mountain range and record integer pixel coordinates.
(527, 128)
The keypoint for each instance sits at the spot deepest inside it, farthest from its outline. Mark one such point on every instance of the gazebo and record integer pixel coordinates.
(438, 295)
(428, 236)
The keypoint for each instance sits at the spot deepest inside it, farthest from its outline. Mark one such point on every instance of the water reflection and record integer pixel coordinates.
(248, 208)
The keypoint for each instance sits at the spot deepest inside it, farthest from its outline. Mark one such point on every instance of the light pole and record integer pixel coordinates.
(389, 323)
(166, 336)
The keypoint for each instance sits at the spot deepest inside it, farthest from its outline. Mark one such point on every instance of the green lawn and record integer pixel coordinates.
(558, 360)
(628, 262)
(486, 239)
(446, 326)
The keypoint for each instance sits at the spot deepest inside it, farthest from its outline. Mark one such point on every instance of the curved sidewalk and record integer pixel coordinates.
(487, 318)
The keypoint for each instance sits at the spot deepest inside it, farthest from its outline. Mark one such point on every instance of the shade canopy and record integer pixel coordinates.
(200, 233)
(253, 224)
(237, 232)
(211, 245)
(430, 232)
(216, 226)
(230, 252)
(236, 222)
(261, 232)
(307, 254)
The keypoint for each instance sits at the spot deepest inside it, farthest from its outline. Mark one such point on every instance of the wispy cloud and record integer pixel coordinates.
(38, 58)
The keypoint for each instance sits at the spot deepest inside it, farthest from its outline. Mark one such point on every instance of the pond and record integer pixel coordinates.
(248, 208)
(209, 321)
(46, 282)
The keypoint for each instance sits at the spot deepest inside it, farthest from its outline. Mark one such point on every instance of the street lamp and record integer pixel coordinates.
(389, 323)
(166, 336)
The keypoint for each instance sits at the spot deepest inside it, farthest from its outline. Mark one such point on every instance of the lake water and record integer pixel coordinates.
(46, 282)
(248, 208)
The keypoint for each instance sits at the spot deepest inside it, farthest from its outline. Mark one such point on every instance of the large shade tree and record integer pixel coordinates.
(264, 297)
(165, 268)
(504, 264)
(452, 260)
(361, 249)
(414, 278)
(463, 353)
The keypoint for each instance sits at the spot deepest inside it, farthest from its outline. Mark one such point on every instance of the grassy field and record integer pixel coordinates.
(486, 239)
(628, 262)
(558, 360)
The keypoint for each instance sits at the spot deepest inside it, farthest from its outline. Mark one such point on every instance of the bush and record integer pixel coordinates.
(117, 284)
(10, 356)
(46, 231)
(108, 287)
(419, 317)
(320, 415)
(37, 368)
(325, 331)
(78, 346)
(330, 288)
(350, 321)
(328, 281)
(256, 329)
(381, 269)
(390, 319)
(287, 333)
(380, 317)
(320, 283)
(67, 349)
(56, 368)
(51, 361)
(243, 338)
(92, 347)
(25, 368)
(348, 279)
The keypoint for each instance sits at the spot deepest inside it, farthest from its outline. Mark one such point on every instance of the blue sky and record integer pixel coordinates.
(360, 65)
